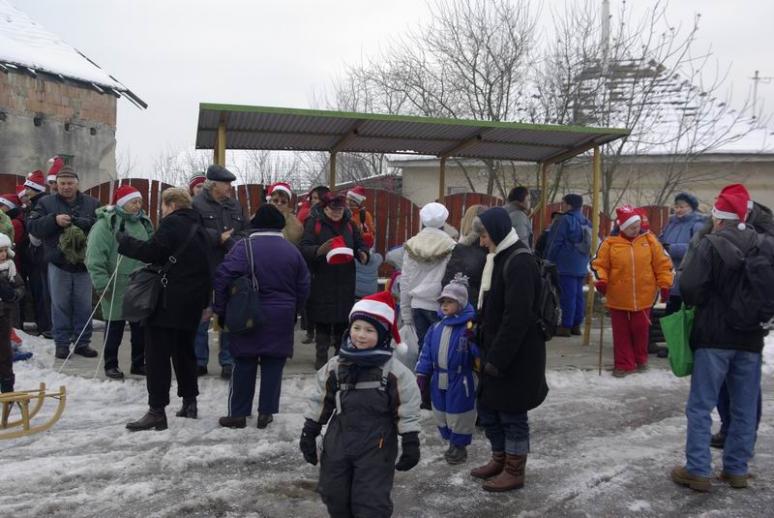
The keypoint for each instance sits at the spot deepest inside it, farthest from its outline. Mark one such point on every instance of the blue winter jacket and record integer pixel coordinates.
(451, 388)
(567, 232)
(676, 236)
(367, 275)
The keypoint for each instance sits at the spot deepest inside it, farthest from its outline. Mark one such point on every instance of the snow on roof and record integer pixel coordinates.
(25, 43)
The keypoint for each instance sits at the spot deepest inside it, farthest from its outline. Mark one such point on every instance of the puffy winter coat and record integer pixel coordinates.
(634, 269)
(283, 281)
(6, 226)
(16, 282)
(217, 217)
(510, 337)
(333, 285)
(676, 237)
(520, 221)
(367, 275)
(102, 255)
(424, 263)
(567, 232)
(450, 357)
(42, 224)
(34, 254)
(470, 261)
(189, 287)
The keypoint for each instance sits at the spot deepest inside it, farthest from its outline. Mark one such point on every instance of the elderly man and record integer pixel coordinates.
(225, 221)
(62, 221)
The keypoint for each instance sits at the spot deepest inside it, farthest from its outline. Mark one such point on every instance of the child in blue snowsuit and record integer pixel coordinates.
(447, 362)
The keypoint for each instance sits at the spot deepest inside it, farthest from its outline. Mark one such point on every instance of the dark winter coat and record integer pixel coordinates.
(706, 282)
(510, 337)
(9, 307)
(217, 217)
(676, 238)
(34, 255)
(470, 261)
(190, 280)
(333, 286)
(567, 232)
(283, 281)
(42, 224)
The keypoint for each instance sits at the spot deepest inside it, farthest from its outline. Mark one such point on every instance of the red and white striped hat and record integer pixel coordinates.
(36, 181)
(124, 194)
(279, 187)
(379, 307)
(10, 200)
(55, 163)
(357, 194)
(340, 253)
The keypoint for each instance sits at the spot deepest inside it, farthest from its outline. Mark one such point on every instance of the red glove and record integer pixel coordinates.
(665, 294)
(601, 287)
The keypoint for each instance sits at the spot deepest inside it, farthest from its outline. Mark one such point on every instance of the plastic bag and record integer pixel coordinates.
(408, 350)
(677, 333)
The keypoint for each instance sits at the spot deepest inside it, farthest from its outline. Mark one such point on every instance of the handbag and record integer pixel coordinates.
(244, 313)
(677, 329)
(146, 285)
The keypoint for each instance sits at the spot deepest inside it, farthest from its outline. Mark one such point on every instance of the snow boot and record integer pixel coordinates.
(264, 420)
(233, 422)
(492, 468)
(683, 477)
(512, 477)
(189, 409)
(156, 419)
(6, 384)
(563, 331)
(456, 455)
(718, 440)
(576, 330)
(735, 481)
(85, 351)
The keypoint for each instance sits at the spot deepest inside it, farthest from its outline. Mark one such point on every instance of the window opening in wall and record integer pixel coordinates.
(68, 159)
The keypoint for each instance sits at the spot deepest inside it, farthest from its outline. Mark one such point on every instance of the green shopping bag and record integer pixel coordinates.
(677, 332)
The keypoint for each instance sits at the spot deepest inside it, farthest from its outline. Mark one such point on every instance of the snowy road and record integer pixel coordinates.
(600, 447)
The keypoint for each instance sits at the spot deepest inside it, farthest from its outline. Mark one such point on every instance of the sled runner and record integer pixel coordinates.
(24, 426)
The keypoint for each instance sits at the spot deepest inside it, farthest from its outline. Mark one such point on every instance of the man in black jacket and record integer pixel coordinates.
(723, 349)
(34, 267)
(224, 219)
(62, 221)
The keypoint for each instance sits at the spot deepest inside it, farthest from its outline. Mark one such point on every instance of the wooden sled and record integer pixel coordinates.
(23, 426)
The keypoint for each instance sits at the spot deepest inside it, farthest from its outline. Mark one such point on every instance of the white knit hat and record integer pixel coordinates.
(433, 215)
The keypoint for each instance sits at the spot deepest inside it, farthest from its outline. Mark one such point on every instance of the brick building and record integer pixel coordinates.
(54, 101)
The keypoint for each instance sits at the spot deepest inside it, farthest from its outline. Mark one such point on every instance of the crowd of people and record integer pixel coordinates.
(470, 301)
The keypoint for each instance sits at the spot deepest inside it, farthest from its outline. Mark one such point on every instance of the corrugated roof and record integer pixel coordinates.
(289, 129)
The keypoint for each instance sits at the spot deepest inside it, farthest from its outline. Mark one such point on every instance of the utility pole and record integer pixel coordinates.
(605, 37)
(757, 79)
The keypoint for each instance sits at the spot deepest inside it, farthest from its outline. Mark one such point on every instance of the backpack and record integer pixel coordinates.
(584, 245)
(549, 311)
(751, 300)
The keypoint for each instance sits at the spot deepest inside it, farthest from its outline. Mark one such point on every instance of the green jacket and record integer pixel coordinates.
(6, 226)
(102, 255)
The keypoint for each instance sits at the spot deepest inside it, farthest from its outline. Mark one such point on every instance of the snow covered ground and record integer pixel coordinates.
(600, 447)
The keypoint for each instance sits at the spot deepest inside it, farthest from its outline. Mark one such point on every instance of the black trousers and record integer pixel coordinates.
(326, 336)
(38, 281)
(6, 352)
(163, 345)
(115, 334)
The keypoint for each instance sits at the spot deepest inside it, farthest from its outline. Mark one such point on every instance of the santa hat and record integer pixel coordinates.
(10, 200)
(21, 190)
(377, 309)
(125, 194)
(626, 216)
(340, 253)
(196, 180)
(36, 181)
(357, 194)
(279, 187)
(55, 163)
(733, 202)
(644, 217)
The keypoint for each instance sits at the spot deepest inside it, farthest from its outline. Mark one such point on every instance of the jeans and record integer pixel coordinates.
(202, 346)
(724, 409)
(571, 300)
(70, 306)
(742, 373)
(423, 319)
(508, 432)
(114, 335)
(242, 389)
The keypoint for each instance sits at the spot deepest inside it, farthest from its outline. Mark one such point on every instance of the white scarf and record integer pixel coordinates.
(486, 277)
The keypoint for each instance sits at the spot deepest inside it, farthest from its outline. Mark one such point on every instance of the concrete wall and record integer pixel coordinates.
(25, 147)
(643, 175)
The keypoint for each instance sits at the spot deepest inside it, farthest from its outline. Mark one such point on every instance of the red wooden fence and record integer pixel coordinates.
(8, 183)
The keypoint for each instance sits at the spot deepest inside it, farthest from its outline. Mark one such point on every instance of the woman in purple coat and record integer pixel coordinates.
(283, 280)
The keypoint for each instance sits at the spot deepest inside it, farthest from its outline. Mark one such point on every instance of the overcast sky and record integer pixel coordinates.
(177, 53)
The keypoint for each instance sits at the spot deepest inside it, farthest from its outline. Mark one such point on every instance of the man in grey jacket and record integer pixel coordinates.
(518, 209)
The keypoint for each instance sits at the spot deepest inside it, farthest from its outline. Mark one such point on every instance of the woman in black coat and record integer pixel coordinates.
(170, 330)
(333, 285)
(513, 350)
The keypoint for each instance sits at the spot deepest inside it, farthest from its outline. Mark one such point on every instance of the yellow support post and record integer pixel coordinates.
(543, 195)
(220, 145)
(442, 180)
(332, 172)
(596, 186)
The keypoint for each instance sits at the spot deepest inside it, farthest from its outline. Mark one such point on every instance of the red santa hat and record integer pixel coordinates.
(125, 194)
(626, 216)
(55, 163)
(357, 194)
(378, 308)
(36, 181)
(340, 253)
(10, 200)
(733, 202)
(279, 187)
(21, 190)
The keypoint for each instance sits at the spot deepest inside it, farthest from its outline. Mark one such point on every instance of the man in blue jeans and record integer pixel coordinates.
(725, 348)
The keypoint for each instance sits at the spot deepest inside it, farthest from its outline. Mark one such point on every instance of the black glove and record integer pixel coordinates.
(308, 444)
(491, 370)
(409, 457)
(7, 293)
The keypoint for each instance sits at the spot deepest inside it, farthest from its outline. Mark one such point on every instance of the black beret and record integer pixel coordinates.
(218, 173)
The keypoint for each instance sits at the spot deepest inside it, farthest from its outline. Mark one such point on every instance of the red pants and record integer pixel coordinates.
(630, 338)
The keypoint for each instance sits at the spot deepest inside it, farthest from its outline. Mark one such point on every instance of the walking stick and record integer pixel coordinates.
(601, 336)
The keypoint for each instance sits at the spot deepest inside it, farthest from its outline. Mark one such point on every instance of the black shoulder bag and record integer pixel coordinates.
(147, 283)
(244, 313)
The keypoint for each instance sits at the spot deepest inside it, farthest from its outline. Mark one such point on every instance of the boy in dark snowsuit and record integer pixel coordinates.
(445, 369)
(372, 399)
(11, 291)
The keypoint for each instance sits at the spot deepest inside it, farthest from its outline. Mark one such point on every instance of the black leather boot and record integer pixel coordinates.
(155, 419)
(189, 409)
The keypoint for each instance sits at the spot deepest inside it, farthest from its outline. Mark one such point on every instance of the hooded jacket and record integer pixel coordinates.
(566, 233)
(425, 257)
(676, 237)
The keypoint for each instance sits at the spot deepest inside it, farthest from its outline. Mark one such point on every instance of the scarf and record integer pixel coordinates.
(486, 278)
(129, 217)
(373, 357)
